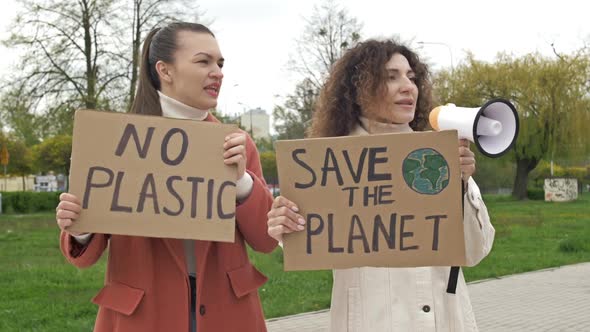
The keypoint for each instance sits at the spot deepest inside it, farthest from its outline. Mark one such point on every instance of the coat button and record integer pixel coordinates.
(202, 310)
(426, 308)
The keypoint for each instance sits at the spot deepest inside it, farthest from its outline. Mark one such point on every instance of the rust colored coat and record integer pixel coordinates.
(146, 284)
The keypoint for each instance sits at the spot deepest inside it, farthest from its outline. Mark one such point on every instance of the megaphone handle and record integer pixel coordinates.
(453, 277)
(454, 274)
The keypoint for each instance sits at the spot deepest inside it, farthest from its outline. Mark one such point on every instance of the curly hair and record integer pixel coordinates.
(359, 79)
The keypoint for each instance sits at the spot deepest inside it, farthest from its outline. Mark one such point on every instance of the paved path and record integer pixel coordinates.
(556, 299)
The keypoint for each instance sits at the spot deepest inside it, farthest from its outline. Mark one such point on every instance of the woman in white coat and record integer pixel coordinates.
(382, 87)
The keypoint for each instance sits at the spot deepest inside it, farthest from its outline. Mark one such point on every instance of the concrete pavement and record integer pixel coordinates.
(556, 299)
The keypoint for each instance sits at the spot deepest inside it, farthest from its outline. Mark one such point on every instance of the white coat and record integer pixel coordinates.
(372, 299)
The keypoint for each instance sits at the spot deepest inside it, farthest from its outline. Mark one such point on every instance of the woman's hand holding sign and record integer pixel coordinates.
(235, 152)
(67, 211)
(283, 218)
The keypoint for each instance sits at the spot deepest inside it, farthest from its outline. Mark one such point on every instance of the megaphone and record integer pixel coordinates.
(493, 127)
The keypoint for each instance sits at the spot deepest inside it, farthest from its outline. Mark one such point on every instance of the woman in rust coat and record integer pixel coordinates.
(156, 284)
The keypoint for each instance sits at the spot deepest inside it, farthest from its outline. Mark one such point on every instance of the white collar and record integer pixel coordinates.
(172, 108)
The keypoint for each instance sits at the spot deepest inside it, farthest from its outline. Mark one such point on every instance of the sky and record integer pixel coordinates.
(257, 37)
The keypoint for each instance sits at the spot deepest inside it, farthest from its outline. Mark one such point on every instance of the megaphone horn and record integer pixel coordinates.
(493, 127)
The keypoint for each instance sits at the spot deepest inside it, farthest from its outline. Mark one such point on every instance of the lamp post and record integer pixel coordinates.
(443, 44)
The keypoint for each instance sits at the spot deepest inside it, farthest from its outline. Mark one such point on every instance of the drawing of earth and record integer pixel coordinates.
(426, 171)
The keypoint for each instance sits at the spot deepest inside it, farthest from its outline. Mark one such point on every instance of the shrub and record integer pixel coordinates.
(29, 202)
(543, 171)
(572, 245)
(536, 194)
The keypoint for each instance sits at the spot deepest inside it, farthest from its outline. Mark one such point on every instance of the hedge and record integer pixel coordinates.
(29, 201)
(536, 194)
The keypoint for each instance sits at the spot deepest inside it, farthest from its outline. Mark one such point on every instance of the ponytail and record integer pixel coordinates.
(147, 100)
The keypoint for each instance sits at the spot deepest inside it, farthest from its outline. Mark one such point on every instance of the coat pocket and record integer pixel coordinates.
(245, 280)
(354, 312)
(119, 297)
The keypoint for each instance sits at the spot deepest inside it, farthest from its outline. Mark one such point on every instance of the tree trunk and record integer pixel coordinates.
(523, 168)
(134, 77)
(91, 70)
(136, 44)
(24, 183)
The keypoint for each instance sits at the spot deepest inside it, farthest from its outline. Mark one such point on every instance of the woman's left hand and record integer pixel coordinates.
(466, 160)
(235, 152)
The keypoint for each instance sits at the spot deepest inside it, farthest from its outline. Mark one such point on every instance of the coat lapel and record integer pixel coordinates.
(177, 251)
(201, 253)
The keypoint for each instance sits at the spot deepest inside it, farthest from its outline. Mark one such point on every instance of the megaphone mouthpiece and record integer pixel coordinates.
(433, 118)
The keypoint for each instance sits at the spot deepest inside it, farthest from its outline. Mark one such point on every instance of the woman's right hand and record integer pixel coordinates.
(67, 211)
(283, 218)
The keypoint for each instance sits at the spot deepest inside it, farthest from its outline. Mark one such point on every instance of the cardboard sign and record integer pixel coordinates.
(152, 176)
(382, 200)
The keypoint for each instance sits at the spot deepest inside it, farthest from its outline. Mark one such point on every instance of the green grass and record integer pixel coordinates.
(534, 235)
(288, 293)
(39, 291)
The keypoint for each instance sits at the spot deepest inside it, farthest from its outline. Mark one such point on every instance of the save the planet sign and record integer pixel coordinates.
(390, 200)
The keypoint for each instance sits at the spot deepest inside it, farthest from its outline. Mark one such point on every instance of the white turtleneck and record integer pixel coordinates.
(172, 108)
(368, 126)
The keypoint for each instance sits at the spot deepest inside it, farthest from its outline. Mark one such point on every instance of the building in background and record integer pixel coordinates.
(46, 183)
(257, 123)
(49, 182)
(15, 183)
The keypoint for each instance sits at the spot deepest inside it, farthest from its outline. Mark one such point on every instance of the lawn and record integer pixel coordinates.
(40, 292)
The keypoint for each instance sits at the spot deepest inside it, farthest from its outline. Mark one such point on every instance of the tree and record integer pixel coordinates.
(227, 119)
(146, 15)
(58, 120)
(16, 155)
(550, 94)
(15, 113)
(84, 53)
(70, 57)
(53, 154)
(293, 118)
(264, 144)
(21, 160)
(328, 33)
(269, 166)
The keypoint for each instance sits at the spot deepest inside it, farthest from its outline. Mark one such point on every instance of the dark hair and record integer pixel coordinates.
(359, 79)
(159, 45)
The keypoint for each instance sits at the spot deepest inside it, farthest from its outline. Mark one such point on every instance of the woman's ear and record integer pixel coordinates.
(163, 70)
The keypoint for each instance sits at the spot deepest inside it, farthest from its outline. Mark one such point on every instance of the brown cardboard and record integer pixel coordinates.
(153, 179)
(330, 247)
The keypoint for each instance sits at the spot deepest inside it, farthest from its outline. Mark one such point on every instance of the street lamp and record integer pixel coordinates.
(443, 44)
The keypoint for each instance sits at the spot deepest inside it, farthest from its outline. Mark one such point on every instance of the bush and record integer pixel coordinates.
(573, 245)
(29, 202)
(536, 194)
(543, 171)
